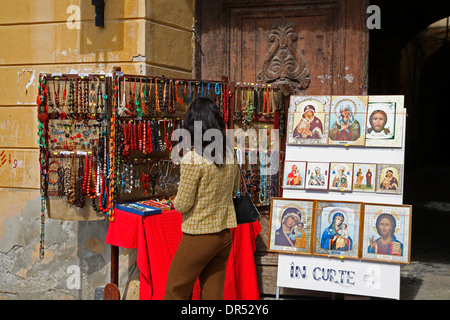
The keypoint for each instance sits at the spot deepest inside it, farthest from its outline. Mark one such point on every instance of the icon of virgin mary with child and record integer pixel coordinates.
(291, 232)
(335, 236)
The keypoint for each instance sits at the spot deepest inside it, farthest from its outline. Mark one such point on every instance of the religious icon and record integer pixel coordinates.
(308, 120)
(390, 178)
(337, 228)
(364, 175)
(317, 175)
(294, 174)
(387, 233)
(347, 120)
(385, 116)
(291, 225)
(341, 176)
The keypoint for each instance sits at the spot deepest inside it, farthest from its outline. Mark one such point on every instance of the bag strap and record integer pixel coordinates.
(243, 181)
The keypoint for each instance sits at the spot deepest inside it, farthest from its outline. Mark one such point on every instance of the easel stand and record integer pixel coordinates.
(332, 274)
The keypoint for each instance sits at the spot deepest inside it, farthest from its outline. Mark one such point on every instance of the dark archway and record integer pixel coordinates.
(427, 96)
(434, 100)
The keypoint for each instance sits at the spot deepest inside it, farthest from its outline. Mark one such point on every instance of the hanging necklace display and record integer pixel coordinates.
(226, 104)
(138, 98)
(43, 155)
(71, 103)
(144, 98)
(180, 101)
(163, 178)
(161, 142)
(146, 132)
(51, 109)
(61, 183)
(171, 103)
(167, 140)
(123, 110)
(237, 104)
(255, 102)
(112, 151)
(62, 114)
(42, 229)
(56, 110)
(150, 137)
(152, 97)
(67, 179)
(52, 173)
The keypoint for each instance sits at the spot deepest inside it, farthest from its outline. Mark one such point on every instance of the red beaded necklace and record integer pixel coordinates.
(86, 176)
(144, 137)
(226, 104)
(150, 138)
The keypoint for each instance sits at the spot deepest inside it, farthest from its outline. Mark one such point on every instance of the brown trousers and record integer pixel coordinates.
(201, 256)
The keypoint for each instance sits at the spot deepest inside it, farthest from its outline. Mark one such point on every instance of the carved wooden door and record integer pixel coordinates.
(315, 46)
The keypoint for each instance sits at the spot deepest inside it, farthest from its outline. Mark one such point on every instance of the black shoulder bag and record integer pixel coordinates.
(246, 211)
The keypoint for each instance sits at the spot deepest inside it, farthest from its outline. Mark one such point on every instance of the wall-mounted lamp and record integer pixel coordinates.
(99, 12)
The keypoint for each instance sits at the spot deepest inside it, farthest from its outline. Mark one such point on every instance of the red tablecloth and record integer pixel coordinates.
(156, 239)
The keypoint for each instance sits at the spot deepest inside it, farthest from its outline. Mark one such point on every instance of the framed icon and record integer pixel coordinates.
(385, 117)
(291, 223)
(341, 176)
(308, 120)
(317, 175)
(294, 174)
(390, 178)
(386, 234)
(364, 177)
(337, 228)
(348, 120)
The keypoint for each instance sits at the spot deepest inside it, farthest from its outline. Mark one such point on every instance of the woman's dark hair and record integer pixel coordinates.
(208, 114)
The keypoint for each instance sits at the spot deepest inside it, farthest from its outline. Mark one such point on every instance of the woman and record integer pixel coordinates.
(207, 185)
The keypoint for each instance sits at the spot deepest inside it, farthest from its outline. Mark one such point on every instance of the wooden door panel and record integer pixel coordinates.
(295, 48)
(324, 43)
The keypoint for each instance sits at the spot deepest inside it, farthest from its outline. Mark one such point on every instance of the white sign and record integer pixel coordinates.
(340, 276)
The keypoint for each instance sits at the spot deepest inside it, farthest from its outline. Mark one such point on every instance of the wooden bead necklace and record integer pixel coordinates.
(61, 183)
(79, 194)
(70, 197)
(171, 93)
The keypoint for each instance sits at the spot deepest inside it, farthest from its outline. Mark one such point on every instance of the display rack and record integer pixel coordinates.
(257, 112)
(343, 154)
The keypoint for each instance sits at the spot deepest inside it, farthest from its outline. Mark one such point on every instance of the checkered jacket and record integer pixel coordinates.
(205, 195)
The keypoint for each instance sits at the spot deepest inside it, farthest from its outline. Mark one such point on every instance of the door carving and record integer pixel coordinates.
(283, 63)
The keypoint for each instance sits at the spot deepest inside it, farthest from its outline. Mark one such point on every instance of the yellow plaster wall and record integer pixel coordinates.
(58, 36)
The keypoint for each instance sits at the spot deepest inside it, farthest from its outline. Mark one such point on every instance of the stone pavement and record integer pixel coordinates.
(425, 281)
